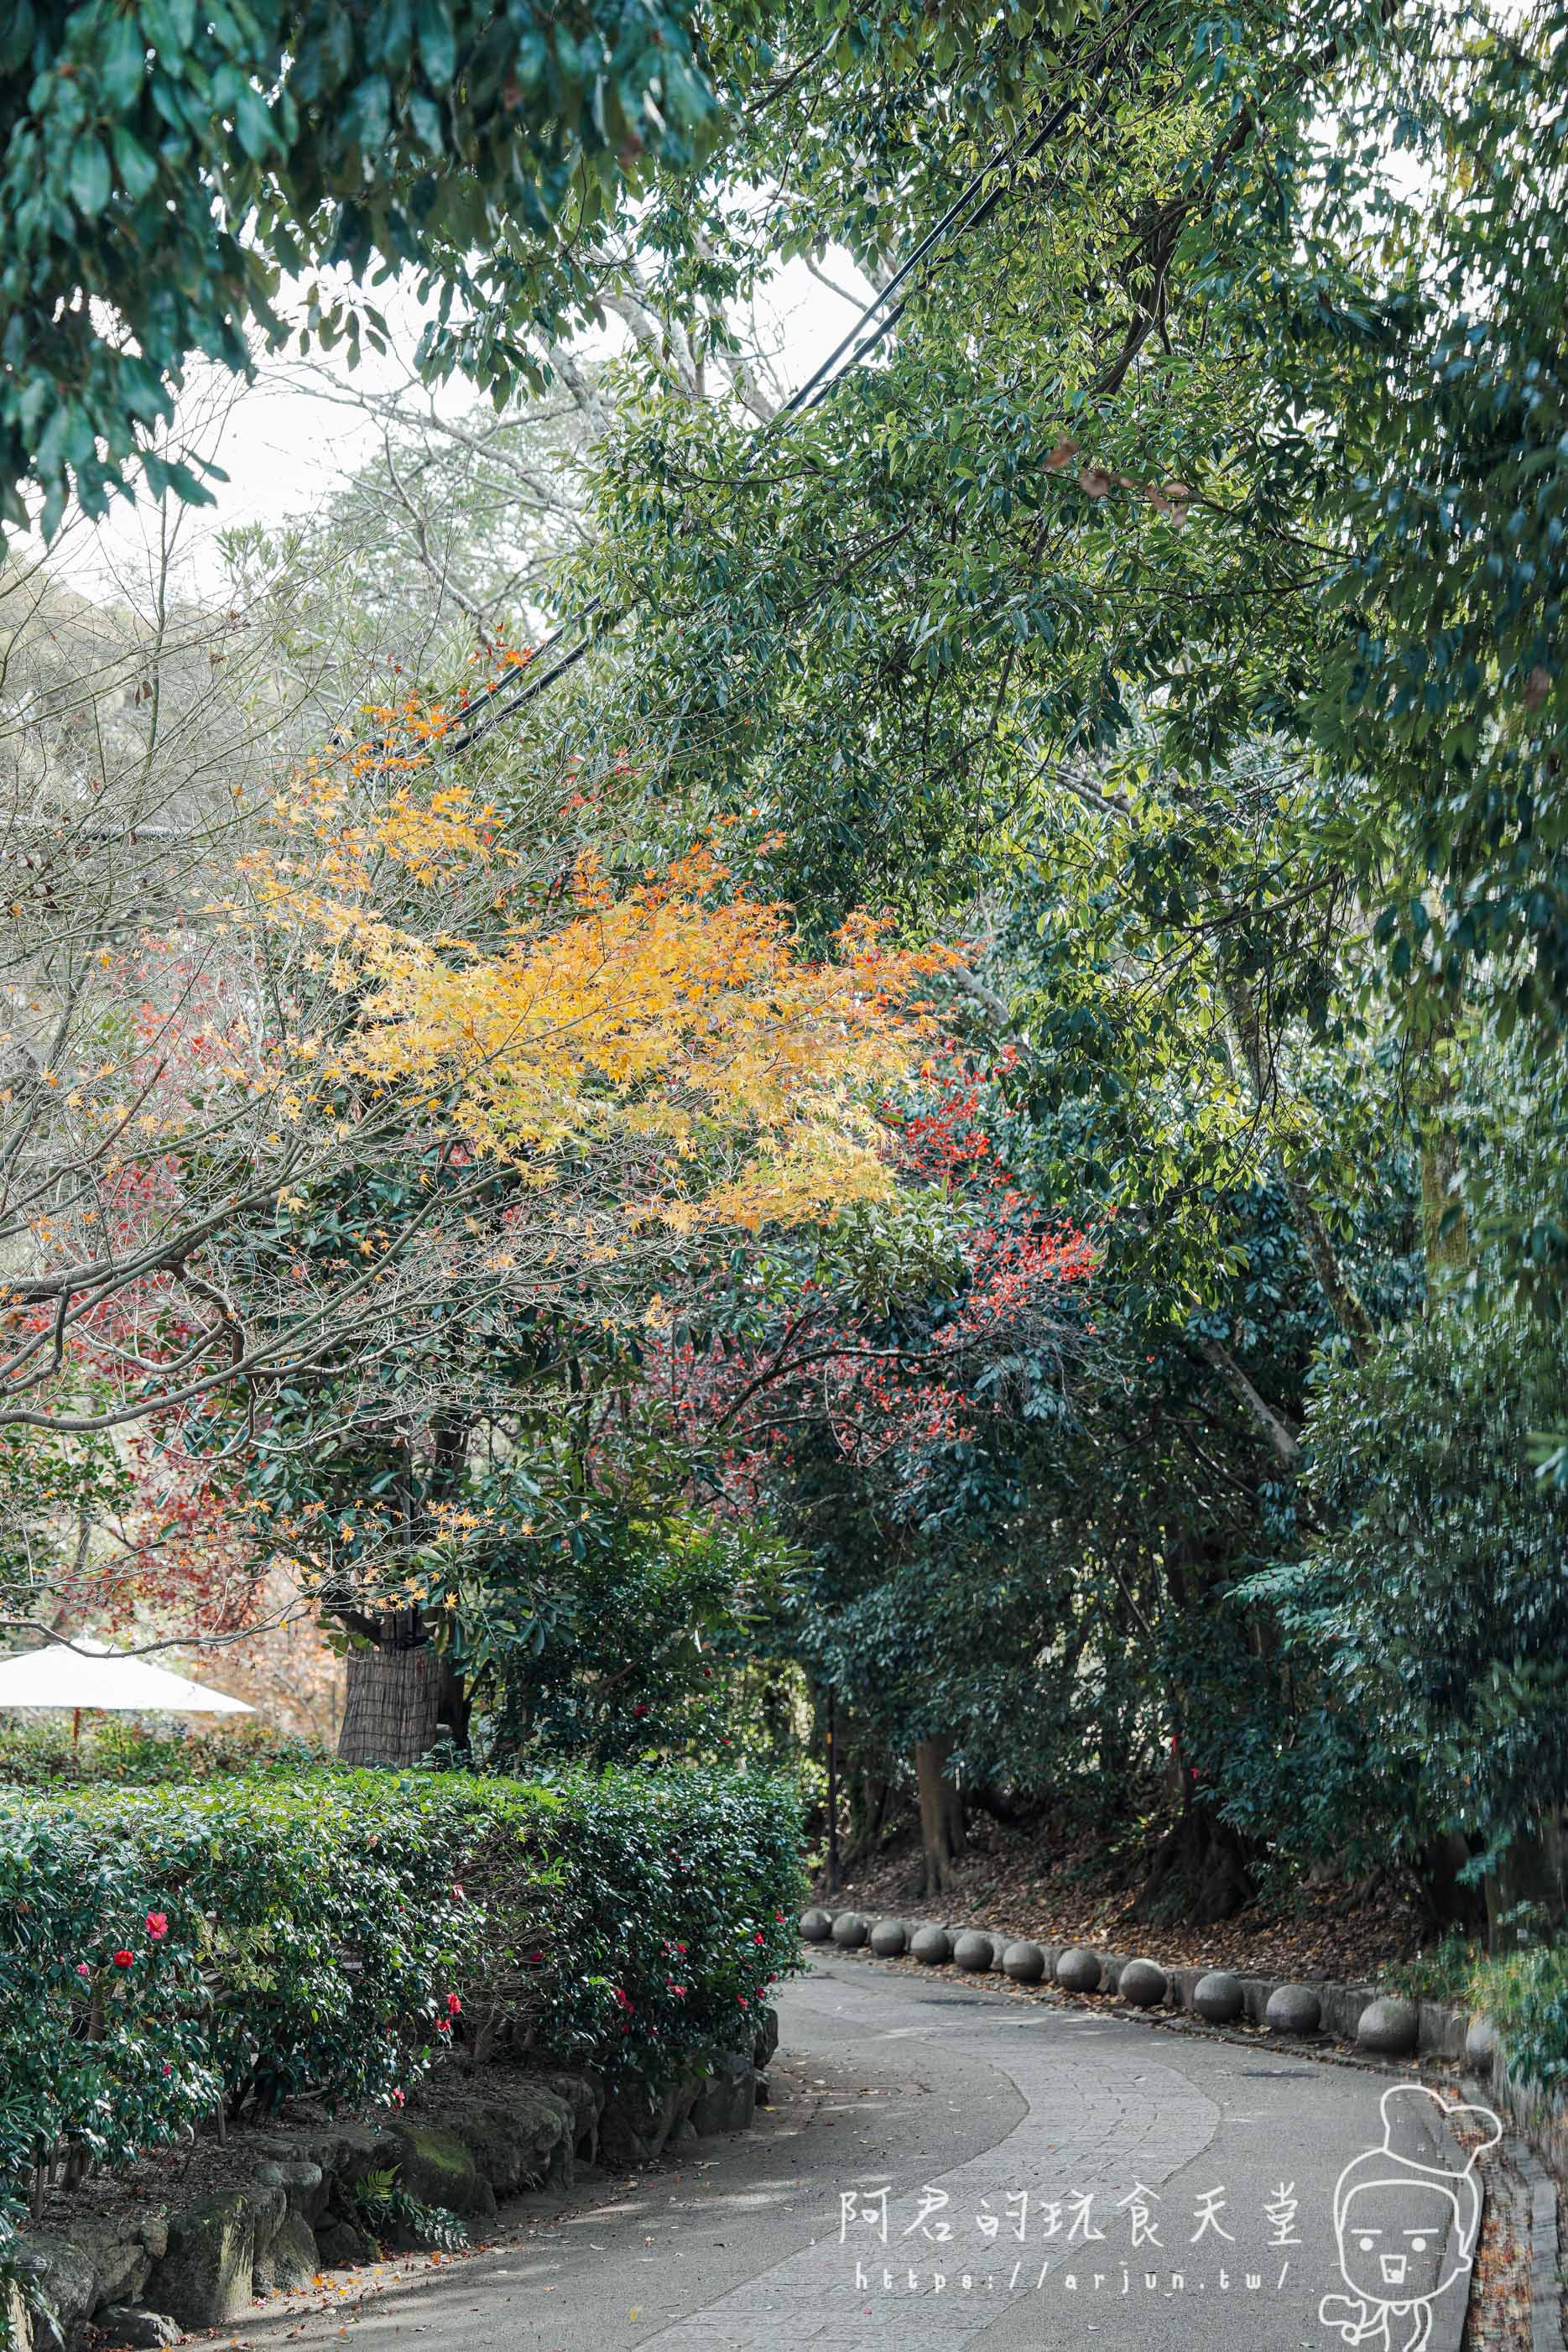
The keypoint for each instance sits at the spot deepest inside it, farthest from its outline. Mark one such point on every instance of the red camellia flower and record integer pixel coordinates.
(444, 2025)
(742, 1999)
(124, 1960)
(454, 2006)
(759, 1938)
(157, 1926)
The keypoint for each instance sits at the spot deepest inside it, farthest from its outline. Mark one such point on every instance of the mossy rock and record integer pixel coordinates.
(584, 2095)
(435, 2168)
(203, 2280)
(517, 2141)
(63, 2277)
(291, 2261)
(343, 2243)
(633, 2125)
(728, 2095)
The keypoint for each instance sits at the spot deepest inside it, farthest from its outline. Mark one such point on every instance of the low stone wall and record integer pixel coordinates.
(142, 2281)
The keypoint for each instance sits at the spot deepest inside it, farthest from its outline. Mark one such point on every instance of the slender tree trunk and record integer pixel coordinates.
(453, 1705)
(1250, 1053)
(836, 1874)
(391, 1708)
(1280, 1436)
(941, 1814)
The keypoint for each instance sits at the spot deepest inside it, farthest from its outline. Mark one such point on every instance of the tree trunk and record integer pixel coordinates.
(867, 1821)
(1333, 1281)
(391, 1710)
(835, 1874)
(453, 1708)
(1529, 1873)
(941, 1814)
(1198, 1872)
(1454, 1902)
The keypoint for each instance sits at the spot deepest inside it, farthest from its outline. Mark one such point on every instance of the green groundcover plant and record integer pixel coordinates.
(168, 1951)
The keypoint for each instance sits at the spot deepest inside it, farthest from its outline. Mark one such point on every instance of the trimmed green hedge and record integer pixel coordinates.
(165, 1950)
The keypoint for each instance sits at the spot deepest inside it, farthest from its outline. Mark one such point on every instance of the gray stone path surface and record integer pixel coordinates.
(1078, 2157)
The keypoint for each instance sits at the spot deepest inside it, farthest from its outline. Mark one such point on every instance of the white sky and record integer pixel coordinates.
(283, 444)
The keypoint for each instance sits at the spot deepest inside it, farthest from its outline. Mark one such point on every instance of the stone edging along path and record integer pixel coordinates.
(1380, 2024)
(1378, 2027)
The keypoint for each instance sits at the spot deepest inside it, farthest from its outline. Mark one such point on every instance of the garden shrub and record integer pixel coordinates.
(43, 1755)
(165, 1949)
(1525, 1994)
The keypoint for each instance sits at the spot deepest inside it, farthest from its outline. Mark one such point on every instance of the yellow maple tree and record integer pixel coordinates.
(674, 1017)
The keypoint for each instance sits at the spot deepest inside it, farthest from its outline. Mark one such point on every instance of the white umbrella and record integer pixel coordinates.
(89, 1674)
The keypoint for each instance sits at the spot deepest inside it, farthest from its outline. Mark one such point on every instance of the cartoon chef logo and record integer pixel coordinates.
(1406, 2215)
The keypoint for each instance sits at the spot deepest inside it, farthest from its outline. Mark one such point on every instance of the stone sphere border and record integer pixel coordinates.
(1381, 2026)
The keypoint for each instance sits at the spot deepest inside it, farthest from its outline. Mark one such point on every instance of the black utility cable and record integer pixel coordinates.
(809, 395)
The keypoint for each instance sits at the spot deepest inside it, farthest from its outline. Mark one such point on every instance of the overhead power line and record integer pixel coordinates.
(969, 209)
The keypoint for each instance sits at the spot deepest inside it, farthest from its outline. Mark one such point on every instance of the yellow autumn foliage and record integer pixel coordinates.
(676, 1021)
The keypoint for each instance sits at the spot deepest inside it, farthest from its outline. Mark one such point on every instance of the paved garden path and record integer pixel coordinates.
(1108, 2187)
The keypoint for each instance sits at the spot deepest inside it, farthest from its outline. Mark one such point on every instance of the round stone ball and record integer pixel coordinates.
(888, 1939)
(931, 1944)
(1079, 1971)
(1143, 1983)
(1024, 1962)
(1480, 2044)
(1218, 1998)
(816, 1925)
(1293, 2009)
(1388, 2028)
(850, 1931)
(974, 1950)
